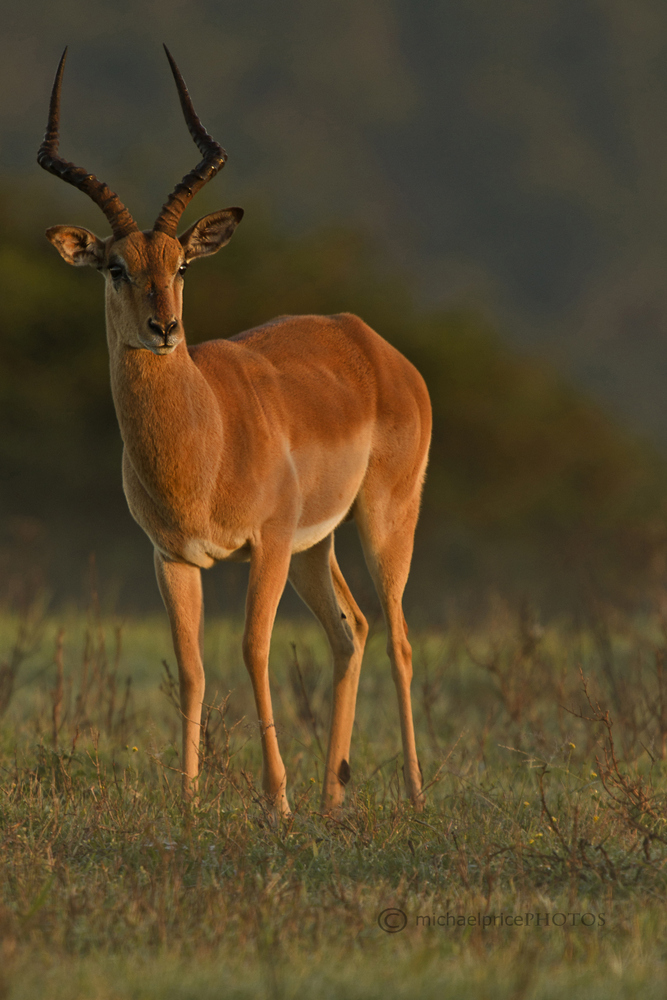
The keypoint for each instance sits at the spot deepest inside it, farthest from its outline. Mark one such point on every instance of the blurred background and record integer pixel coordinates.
(484, 183)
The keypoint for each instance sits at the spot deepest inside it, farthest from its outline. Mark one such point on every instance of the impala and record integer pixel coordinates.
(255, 448)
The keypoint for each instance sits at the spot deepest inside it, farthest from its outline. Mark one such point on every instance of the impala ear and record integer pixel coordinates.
(77, 246)
(210, 233)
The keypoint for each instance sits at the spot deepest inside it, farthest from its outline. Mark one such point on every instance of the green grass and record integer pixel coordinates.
(110, 887)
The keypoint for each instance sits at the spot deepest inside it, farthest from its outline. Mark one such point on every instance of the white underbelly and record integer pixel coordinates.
(306, 537)
(203, 553)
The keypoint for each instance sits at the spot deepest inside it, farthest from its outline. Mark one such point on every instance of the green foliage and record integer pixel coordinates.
(55, 410)
(537, 479)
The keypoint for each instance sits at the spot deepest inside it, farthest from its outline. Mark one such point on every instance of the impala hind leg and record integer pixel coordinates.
(387, 541)
(268, 575)
(316, 577)
(180, 586)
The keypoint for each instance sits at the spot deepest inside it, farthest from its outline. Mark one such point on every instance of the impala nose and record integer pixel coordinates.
(162, 329)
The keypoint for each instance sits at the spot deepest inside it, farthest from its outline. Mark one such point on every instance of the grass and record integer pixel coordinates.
(543, 752)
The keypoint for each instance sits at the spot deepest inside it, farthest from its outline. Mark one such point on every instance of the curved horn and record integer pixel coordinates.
(214, 159)
(121, 221)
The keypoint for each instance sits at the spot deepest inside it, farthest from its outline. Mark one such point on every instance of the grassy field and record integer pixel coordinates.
(538, 868)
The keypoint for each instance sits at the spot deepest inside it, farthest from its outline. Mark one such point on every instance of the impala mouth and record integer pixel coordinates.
(161, 345)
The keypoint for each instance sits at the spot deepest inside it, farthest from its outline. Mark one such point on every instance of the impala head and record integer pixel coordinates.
(143, 270)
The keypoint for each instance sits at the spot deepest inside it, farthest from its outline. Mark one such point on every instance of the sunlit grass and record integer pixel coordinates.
(111, 887)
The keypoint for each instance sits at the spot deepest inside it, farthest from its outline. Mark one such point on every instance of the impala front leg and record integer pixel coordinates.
(269, 566)
(180, 586)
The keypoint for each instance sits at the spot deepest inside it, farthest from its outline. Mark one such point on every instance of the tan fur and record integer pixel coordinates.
(255, 448)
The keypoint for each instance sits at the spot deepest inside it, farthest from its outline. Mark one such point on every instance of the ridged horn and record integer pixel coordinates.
(214, 159)
(121, 221)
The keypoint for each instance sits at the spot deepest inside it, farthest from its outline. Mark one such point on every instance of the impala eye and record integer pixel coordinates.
(117, 272)
(182, 269)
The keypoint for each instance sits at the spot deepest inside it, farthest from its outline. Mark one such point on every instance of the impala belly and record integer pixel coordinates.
(329, 480)
(306, 537)
(202, 552)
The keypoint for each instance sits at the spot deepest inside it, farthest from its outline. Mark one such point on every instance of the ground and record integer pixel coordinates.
(537, 869)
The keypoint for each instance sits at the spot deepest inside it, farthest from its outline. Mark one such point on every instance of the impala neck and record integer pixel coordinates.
(168, 417)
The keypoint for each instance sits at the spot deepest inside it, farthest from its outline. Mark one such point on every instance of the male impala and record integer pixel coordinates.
(255, 448)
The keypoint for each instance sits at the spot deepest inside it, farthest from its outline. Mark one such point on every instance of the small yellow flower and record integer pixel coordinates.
(526, 803)
(594, 774)
(573, 745)
(531, 841)
(553, 819)
(539, 834)
(595, 819)
(134, 749)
